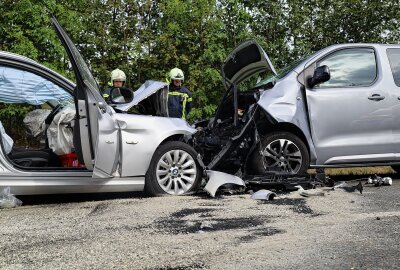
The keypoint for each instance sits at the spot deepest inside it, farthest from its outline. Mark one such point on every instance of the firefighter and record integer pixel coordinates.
(118, 79)
(179, 97)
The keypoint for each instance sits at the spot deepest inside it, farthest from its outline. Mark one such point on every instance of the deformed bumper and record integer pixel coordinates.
(218, 179)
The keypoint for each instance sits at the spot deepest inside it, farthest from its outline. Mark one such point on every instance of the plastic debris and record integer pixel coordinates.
(205, 226)
(380, 181)
(218, 179)
(309, 192)
(263, 194)
(349, 188)
(8, 200)
(287, 181)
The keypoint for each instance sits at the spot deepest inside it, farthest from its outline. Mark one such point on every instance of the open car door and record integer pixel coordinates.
(96, 133)
(247, 59)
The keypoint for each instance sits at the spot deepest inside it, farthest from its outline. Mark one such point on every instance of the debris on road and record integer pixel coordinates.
(8, 200)
(304, 184)
(309, 192)
(205, 226)
(349, 188)
(219, 179)
(380, 181)
(263, 194)
(287, 181)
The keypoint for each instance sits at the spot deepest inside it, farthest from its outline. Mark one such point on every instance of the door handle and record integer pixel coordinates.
(376, 97)
(132, 142)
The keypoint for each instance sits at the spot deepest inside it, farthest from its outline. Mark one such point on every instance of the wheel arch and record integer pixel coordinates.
(291, 128)
(267, 124)
(275, 131)
(174, 137)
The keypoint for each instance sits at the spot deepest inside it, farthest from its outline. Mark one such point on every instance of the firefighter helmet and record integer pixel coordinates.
(176, 74)
(118, 75)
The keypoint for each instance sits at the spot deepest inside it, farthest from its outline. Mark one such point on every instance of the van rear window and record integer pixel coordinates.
(394, 60)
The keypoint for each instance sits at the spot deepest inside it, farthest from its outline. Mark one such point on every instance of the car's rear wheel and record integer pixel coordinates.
(174, 170)
(281, 152)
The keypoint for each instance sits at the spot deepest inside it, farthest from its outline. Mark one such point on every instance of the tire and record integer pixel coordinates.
(280, 152)
(167, 174)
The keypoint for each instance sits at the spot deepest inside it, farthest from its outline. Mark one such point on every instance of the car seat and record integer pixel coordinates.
(29, 158)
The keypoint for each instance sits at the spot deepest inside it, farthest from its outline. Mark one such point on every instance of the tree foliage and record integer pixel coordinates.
(146, 38)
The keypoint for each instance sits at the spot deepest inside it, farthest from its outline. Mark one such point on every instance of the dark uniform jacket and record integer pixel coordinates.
(179, 101)
(107, 93)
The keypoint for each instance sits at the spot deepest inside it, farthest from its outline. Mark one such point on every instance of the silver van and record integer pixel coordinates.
(339, 107)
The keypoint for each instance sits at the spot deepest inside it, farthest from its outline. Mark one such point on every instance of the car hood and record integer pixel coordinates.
(244, 61)
(144, 91)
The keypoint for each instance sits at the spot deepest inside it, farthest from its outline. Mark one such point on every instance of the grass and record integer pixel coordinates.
(358, 171)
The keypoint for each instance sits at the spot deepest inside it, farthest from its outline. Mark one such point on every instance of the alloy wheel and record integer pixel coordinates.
(282, 155)
(176, 172)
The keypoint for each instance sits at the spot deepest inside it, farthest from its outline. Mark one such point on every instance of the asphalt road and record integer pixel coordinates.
(129, 231)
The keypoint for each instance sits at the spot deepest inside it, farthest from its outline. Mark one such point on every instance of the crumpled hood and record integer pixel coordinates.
(145, 90)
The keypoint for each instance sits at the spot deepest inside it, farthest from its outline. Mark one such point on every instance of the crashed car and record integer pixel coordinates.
(114, 151)
(338, 107)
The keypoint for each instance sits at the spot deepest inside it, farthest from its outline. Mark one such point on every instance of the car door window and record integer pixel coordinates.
(350, 68)
(394, 60)
(22, 86)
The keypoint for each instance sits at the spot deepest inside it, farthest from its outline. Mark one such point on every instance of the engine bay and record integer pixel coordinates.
(226, 140)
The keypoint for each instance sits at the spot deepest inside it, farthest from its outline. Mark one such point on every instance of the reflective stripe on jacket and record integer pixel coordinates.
(179, 102)
(107, 93)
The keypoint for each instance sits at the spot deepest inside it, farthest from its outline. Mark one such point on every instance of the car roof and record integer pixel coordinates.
(16, 57)
(308, 60)
(363, 44)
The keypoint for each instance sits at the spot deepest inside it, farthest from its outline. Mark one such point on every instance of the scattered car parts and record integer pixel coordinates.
(309, 192)
(263, 195)
(380, 181)
(349, 188)
(218, 179)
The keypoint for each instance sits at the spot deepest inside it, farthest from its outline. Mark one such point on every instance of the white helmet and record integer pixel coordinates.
(118, 75)
(176, 74)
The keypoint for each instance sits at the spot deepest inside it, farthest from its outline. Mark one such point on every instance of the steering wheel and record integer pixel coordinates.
(53, 113)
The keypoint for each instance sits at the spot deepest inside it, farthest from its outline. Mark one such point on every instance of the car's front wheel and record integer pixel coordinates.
(281, 152)
(174, 170)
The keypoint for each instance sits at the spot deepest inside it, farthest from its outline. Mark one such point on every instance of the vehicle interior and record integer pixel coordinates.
(29, 104)
(30, 148)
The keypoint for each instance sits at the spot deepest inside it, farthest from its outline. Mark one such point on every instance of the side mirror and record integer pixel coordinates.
(321, 74)
(121, 95)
